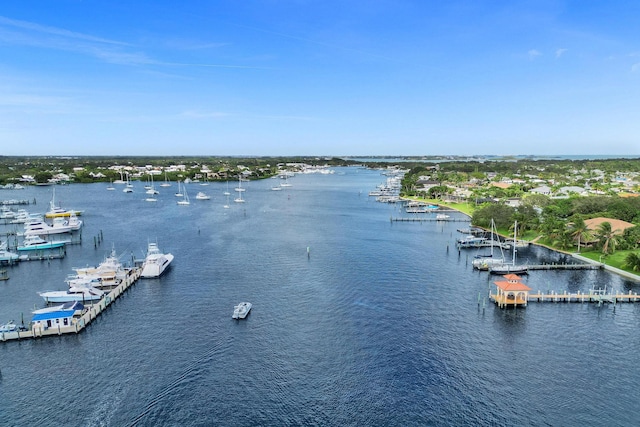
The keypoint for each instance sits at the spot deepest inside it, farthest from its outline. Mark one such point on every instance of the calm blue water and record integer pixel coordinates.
(379, 325)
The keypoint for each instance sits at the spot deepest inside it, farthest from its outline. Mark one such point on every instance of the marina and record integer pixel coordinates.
(348, 353)
(76, 325)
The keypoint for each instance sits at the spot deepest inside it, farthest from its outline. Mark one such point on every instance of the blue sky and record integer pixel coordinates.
(306, 77)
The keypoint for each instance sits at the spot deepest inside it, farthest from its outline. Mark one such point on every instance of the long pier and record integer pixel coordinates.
(584, 297)
(90, 313)
(597, 266)
(423, 219)
(566, 297)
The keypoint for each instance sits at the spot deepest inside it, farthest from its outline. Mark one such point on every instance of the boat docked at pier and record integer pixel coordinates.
(241, 310)
(76, 293)
(6, 256)
(39, 227)
(510, 267)
(34, 242)
(57, 211)
(155, 262)
(107, 274)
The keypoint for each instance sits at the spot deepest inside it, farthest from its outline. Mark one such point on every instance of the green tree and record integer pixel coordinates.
(579, 231)
(607, 238)
(632, 261)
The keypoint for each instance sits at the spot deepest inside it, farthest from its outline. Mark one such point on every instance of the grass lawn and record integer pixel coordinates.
(466, 208)
(614, 260)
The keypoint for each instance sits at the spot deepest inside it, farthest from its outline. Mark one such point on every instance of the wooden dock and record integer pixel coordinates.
(89, 314)
(567, 297)
(596, 297)
(593, 266)
(423, 219)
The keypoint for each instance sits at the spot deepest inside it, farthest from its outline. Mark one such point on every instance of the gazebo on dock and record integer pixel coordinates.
(511, 291)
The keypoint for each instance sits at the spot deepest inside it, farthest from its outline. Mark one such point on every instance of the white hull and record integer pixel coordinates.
(241, 310)
(82, 295)
(155, 263)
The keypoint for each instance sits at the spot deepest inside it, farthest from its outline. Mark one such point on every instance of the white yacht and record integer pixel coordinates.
(202, 196)
(241, 310)
(38, 227)
(155, 263)
(76, 293)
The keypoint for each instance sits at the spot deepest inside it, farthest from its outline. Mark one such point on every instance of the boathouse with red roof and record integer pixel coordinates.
(511, 291)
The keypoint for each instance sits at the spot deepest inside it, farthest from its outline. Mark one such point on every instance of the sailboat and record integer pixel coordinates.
(286, 181)
(483, 262)
(185, 197)
(150, 188)
(227, 205)
(226, 193)
(239, 199)
(179, 193)
(512, 267)
(166, 182)
(239, 187)
(111, 187)
(128, 188)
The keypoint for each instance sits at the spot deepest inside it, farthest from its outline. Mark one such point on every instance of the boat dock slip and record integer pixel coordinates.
(423, 219)
(79, 323)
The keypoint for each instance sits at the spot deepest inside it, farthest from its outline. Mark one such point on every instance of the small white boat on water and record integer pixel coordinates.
(202, 196)
(76, 293)
(241, 310)
(155, 263)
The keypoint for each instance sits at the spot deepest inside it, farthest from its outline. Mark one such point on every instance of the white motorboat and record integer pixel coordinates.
(76, 293)
(11, 326)
(241, 310)
(155, 263)
(38, 227)
(6, 255)
(202, 196)
(73, 222)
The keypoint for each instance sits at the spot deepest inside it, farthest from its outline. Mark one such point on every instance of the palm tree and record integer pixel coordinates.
(607, 237)
(632, 261)
(580, 232)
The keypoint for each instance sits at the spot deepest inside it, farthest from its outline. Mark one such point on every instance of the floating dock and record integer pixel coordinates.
(89, 314)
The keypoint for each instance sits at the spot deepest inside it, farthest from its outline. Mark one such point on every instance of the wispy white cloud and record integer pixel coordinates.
(560, 52)
(22, 33)
(53, 31)
(533, 54)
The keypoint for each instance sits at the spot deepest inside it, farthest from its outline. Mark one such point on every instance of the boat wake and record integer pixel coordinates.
(185, 376)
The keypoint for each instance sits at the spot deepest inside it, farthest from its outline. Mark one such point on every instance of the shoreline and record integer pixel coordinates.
(574, 255)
